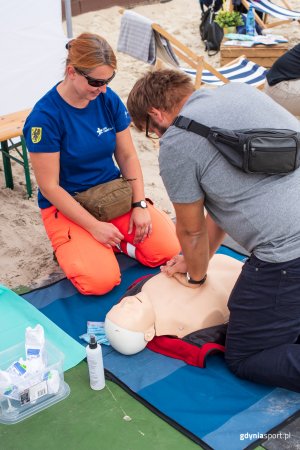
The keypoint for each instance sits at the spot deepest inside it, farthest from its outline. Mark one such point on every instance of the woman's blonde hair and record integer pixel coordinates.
(89, 51)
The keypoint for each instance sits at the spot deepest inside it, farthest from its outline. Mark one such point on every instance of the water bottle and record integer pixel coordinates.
(95, 364)
(250, 22)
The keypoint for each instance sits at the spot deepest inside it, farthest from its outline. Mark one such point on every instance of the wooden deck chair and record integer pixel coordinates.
(161, 44)
(239, 70)
(284, 13)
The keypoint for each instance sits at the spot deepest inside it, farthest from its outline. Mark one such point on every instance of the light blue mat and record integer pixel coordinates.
(16, 314)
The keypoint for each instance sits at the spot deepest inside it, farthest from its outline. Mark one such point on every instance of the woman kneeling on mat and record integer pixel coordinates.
(72, 134)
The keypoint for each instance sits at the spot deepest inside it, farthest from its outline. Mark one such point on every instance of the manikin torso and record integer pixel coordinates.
(177, 310)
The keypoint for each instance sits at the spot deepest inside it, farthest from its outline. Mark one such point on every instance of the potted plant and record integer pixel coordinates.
(229, 20)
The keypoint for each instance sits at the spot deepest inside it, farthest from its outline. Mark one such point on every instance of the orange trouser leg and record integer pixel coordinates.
(157, 249)
(91, 267)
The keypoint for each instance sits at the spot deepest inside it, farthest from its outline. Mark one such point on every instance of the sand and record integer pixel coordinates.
(26, 254)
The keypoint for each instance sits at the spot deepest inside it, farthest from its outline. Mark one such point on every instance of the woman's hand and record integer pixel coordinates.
(176, 265)
(140, 218)
(107, 234)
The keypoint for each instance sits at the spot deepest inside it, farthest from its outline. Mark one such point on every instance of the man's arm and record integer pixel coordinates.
(192, 232)
(199, 237)
(215, 235)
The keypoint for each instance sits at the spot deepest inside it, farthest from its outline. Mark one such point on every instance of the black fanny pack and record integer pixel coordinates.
(262, 150)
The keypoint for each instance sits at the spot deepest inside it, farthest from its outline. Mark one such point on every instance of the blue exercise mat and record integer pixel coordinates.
(211, 406)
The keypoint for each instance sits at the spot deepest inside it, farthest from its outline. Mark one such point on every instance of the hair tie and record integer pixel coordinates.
(68, 44)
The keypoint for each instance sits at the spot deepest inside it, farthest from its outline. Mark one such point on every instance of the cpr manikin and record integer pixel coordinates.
(166, 307)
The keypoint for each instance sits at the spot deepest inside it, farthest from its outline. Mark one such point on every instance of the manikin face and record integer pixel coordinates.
(134, 313)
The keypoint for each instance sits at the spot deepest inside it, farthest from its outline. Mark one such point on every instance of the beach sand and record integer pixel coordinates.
(26, 254)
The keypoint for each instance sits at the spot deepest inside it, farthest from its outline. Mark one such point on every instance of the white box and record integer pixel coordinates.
(39, 394)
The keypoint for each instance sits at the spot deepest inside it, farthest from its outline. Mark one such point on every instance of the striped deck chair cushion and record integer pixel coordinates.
(267, 7)
(244, 71)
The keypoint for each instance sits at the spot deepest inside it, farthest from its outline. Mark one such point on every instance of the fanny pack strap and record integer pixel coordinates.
(265, 151)
(191, 125)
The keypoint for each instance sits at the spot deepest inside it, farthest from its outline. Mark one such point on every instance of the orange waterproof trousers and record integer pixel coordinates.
(93, 268)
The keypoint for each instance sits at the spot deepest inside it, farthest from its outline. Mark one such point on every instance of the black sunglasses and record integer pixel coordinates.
(150, 134)
(94, 81)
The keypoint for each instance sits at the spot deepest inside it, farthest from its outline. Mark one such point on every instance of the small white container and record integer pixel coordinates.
(95, 365)
(45, 387)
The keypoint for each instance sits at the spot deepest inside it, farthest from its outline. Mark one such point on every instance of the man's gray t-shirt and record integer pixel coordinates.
(260, 212)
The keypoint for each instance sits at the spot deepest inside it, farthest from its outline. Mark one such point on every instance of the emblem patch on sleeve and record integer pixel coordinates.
(36, 134)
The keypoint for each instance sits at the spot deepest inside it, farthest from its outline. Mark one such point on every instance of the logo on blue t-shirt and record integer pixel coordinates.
(103, 130)
(36, 134)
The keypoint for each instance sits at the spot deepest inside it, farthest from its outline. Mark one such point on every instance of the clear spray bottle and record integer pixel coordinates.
(95, 364)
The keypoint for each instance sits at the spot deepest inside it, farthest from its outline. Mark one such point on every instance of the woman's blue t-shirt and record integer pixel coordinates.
(85, 138)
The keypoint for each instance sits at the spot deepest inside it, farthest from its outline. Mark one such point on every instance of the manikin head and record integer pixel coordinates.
(136, 315)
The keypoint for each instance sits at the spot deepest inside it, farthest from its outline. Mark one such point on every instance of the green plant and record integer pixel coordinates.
(227, 19)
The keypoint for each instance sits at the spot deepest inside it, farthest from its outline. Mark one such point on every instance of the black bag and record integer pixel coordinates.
(207, 3)
(259, 151)
(210, 32)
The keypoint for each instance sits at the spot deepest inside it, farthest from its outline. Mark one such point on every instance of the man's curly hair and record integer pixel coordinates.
(162, 89)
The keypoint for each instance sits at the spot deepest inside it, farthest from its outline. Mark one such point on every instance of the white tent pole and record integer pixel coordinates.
(68, 14)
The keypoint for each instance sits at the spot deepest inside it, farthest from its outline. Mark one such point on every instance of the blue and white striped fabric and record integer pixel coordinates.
(244, 71)
(268, 7)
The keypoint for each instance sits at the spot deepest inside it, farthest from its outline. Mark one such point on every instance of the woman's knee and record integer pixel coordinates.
(96, 283)
(93, 273)
(156, 255)
(90, 266)
(162, 244)
(159, 247)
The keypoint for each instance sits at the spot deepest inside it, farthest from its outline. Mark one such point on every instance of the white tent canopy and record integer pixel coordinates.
(32, 51)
